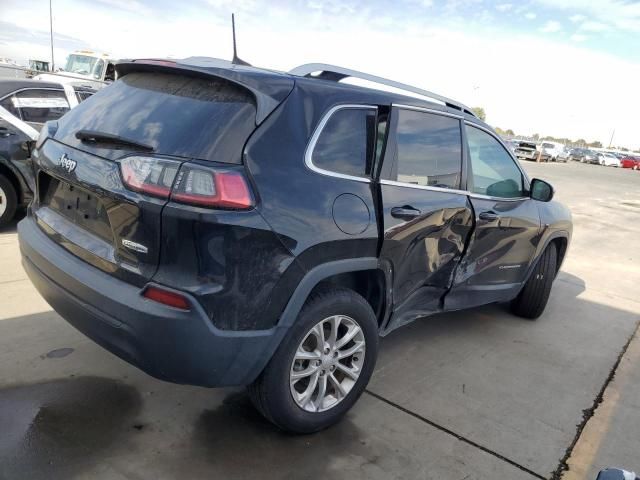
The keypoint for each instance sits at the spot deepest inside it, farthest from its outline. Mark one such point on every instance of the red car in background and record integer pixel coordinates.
(630, 162)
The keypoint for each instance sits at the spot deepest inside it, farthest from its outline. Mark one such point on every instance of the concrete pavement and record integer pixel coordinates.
(478, 394)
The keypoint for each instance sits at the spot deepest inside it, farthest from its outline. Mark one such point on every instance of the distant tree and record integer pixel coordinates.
(510, 132)
(500, 132)
(536, 136)
(595, 144)
(623, 149)
(581, 141)
(479, 111)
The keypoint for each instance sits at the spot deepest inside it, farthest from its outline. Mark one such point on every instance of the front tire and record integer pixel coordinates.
(533, 298)
(8, 201)
(323, 364)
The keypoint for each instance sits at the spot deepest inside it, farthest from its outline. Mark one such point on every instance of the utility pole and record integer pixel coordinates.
(611, 140)
(53, 65)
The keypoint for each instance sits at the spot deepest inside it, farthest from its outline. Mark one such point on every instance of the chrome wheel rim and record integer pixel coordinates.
(327, 363)
(3, 202)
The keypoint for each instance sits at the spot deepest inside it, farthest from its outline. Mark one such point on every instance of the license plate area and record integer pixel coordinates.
(82, 207)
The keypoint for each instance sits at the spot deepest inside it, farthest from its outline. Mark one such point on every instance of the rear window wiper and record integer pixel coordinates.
(91, 136)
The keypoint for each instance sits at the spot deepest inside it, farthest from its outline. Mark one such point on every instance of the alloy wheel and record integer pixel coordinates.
(3, 202)
(327, 363)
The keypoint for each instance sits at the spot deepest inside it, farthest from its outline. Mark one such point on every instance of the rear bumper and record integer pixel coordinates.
(167, 343)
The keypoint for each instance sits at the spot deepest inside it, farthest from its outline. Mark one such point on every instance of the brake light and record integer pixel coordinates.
(153, 176)
(190, 183)
(167, 297)
(207, 187)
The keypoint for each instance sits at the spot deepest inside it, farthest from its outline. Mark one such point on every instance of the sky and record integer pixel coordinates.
(567, 68)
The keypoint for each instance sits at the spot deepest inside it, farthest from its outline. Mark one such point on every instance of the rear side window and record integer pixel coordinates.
(346, 142)
(9, 105)
(204, 118)
(39, 106)
(428, 149)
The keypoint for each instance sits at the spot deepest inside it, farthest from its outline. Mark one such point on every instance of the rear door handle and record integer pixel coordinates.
(489, 216)
(405, 213)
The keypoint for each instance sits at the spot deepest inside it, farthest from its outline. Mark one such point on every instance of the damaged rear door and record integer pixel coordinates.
(427, 218)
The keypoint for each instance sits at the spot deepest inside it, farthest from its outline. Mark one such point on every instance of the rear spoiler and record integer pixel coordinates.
(268, 88)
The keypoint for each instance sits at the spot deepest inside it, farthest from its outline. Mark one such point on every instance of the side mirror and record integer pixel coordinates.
(616, 474)
(541, 190)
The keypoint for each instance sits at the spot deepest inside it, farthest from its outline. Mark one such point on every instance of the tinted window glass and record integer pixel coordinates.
(39, 106)
(81, 96)
(429, 150)
(208, 119)
(8, 104)
(493, 171)
(346, 142)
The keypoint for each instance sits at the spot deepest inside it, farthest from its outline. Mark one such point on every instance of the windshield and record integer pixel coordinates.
(84, 65)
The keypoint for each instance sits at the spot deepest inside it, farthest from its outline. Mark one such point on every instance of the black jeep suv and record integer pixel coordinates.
(217, 224)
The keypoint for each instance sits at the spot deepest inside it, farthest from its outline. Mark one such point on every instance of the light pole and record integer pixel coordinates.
(53, 65)
(611, 140)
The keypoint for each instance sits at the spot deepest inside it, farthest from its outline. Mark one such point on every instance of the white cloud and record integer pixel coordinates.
(504, 7)
(577, 18)
(622, 14)
(530, 16)
(578, 37)
(591, 26)
(551, 27)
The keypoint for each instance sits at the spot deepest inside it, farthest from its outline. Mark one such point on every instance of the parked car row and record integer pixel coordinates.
(548, 151)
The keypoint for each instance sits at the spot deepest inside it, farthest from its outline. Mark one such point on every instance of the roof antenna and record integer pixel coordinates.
(236, 60)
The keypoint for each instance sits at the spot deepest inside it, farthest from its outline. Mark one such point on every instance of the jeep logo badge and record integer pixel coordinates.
(66, 163)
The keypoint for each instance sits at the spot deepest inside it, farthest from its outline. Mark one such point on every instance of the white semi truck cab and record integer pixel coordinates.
(84, 68)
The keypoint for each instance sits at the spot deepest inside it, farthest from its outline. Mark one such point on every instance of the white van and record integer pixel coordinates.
(553, 150)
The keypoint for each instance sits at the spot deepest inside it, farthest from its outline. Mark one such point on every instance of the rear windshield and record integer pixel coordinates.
(209, 119)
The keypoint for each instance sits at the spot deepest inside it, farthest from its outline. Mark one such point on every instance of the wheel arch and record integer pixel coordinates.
(363, 275)
(560, 239)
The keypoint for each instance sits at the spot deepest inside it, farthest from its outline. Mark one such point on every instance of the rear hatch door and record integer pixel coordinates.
(82, 201)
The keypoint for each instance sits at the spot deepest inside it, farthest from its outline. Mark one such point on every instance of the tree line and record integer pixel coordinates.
(581, 142)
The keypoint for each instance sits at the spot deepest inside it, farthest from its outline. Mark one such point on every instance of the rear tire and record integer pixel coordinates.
(8, 201)
(273, 391)
(533, 298)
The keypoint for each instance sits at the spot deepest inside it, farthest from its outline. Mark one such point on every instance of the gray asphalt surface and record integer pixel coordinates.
(479, 394)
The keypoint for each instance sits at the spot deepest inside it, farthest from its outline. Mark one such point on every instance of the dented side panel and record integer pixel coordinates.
(499, 253)
(424, 252)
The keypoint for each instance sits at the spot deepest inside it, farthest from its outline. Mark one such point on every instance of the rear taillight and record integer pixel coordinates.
(192, 184)
(207, 187)
(153, 176)
(167, 297)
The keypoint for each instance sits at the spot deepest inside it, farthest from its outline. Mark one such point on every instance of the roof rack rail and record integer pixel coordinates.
(335, 73)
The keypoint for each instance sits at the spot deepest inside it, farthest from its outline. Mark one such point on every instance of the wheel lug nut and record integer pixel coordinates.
(335, 354)
(326, 350)
(333, 367)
